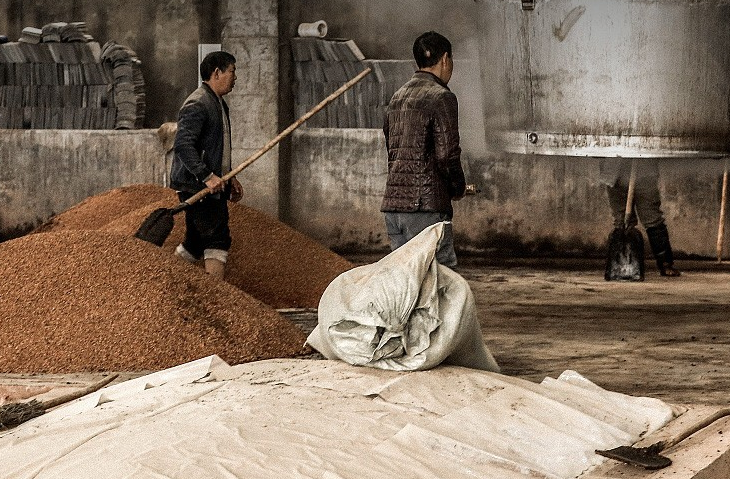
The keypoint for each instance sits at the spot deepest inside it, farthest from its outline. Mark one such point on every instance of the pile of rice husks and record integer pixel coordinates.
(268, 259)
(83, 300)
(82, 294)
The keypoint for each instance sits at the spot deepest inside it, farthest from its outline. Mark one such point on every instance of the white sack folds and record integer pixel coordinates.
(405, 312)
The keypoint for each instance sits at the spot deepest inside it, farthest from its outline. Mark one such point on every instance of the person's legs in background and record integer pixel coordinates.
(648, 206)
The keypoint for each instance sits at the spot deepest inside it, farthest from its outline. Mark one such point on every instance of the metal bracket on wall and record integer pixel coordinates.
(528, 4)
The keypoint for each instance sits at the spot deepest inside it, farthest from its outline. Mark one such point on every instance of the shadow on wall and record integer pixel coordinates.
(7, 234)
(500, 244)
(375, 243)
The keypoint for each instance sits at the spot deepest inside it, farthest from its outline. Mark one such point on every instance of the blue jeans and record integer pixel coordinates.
(402, 227)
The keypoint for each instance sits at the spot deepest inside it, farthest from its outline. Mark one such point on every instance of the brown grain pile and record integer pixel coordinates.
(268, 259)
(78, 301)
(96, 211)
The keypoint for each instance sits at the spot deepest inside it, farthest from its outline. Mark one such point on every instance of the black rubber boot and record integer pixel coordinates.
(662, 249)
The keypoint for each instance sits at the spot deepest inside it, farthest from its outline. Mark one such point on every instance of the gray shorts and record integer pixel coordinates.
(402, 227)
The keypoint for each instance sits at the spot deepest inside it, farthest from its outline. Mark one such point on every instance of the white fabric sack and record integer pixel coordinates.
(404, 313)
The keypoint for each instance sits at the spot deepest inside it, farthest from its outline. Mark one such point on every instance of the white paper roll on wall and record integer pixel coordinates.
(316, 29)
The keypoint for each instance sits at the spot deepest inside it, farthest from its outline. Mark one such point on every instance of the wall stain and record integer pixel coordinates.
(561, 31)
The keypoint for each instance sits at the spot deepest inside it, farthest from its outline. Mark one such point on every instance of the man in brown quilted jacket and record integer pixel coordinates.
(424, 157)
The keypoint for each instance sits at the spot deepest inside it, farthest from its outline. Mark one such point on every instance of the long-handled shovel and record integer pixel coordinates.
(626, 246)
(721, 224)
(13, 414)
(649, 457)
(158, 225)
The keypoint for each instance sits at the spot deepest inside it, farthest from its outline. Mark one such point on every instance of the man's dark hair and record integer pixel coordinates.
(429, 48)
(213, 60)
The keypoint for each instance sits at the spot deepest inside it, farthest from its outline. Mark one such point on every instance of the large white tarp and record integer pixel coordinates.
(327, 419)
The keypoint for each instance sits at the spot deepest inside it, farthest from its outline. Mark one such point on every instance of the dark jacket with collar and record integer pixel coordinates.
(198, 141)
(424, 157)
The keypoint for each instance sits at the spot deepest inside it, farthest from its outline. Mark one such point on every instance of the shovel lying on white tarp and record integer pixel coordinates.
(649, 457)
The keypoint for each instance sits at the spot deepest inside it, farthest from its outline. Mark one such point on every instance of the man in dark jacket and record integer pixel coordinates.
(202, 157)
(424, 157)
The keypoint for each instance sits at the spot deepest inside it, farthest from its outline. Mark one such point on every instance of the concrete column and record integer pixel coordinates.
(250, 33)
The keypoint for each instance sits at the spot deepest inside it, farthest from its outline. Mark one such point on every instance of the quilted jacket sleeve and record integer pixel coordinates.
(446, 142)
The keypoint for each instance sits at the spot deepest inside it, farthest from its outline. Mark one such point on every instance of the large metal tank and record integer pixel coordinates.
(607, 77)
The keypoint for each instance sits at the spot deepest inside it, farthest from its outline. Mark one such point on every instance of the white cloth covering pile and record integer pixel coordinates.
(328, 419)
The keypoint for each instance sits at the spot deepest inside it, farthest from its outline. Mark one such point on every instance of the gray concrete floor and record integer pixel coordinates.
(664, 337)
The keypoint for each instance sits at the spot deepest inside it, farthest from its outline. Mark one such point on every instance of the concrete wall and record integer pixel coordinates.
(338, 179)
(165, 35)
(44, 172)
(528, 205)
(386, 28)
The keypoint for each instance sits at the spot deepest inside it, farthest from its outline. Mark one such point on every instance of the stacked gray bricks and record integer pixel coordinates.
(54, 78)
(321, 66)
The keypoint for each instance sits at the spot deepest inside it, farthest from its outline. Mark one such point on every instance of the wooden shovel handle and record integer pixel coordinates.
(721, 223)
(202, 193)
(80, 393)
(695, 427)
(630, 193)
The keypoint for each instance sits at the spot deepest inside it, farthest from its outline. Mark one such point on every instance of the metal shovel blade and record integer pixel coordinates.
(157, 226)
(646, 457)
(625, 260)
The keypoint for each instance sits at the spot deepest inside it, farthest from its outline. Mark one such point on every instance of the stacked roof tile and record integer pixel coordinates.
(56, 77)
(321, 66)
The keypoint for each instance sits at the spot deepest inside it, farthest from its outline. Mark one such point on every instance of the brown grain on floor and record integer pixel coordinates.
(97, 301)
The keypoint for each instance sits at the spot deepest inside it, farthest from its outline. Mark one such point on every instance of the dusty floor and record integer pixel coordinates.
(667, 338)
(664, 338)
